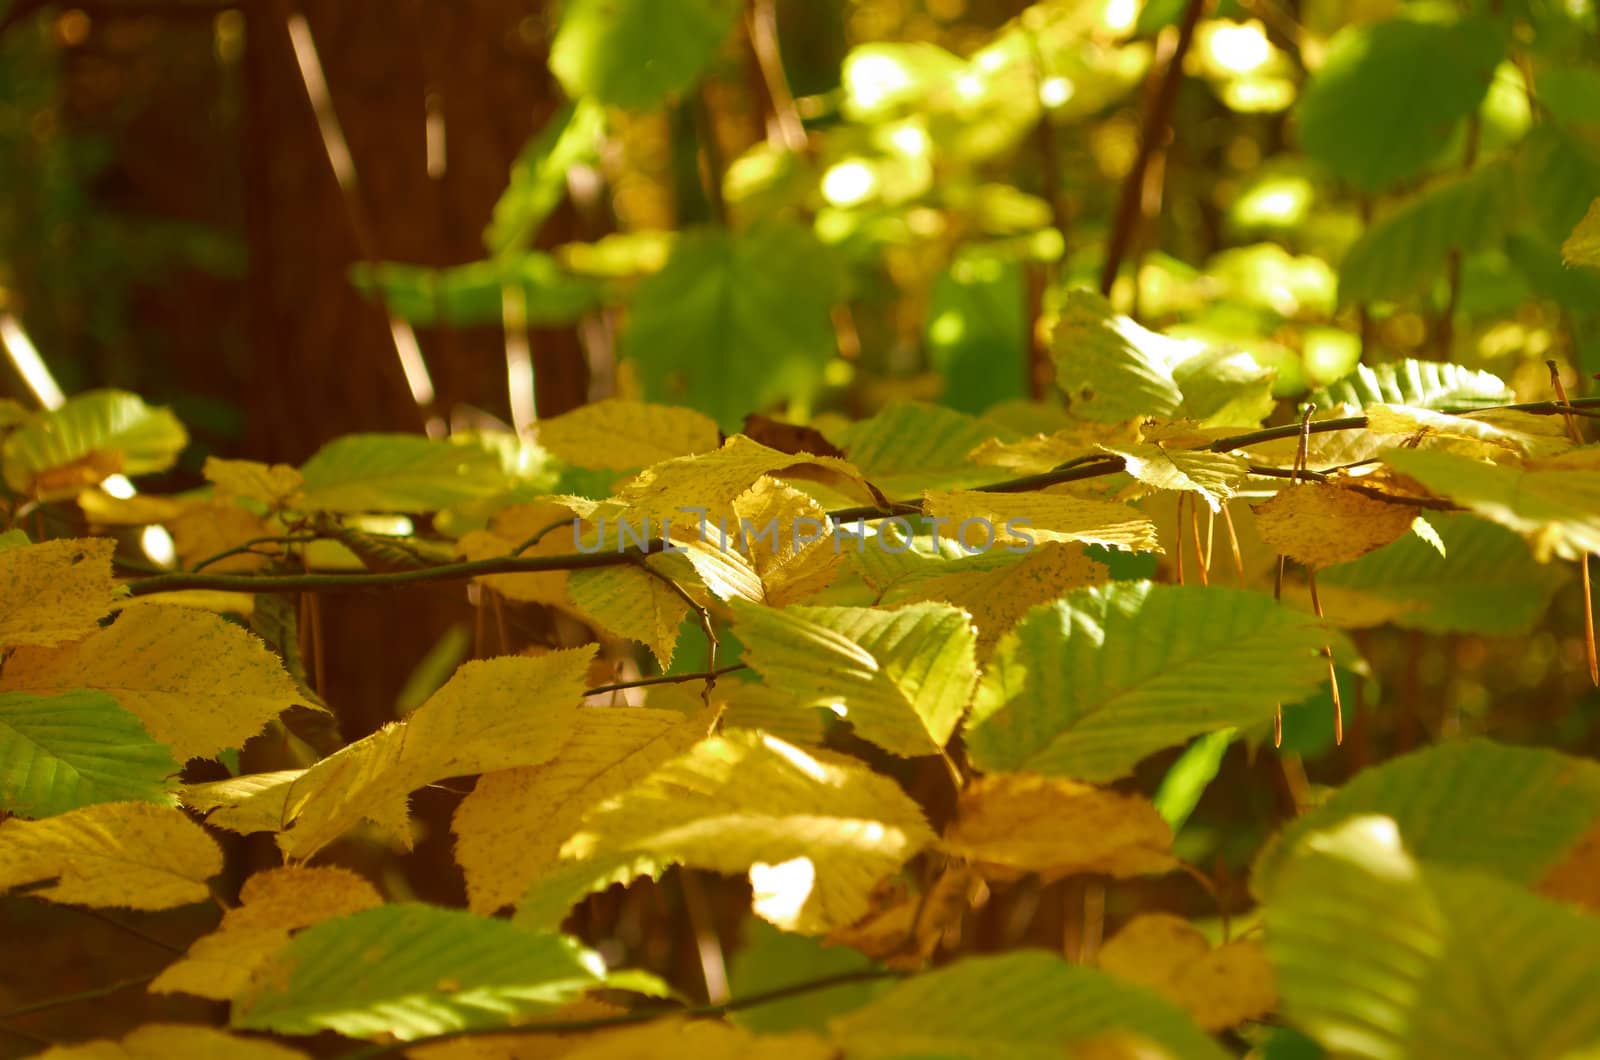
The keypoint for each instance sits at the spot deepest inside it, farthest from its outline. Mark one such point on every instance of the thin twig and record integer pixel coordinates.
(666, 679)
(250, 546)
(1157, 123)
(92, 994)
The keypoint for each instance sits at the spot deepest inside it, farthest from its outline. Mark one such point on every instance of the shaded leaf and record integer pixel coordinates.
(397, 473)
(1220, 988)
(174, 1041)
(1583, 245)
(130, 855)
(75, 749)
(55, 591)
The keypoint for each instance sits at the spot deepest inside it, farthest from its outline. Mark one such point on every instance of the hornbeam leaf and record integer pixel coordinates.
(94, 435)
(736, 321)
(1090, 685)
(909, 446)
(1475, 968)
(174, 1041)
(627, 435)
(1220, 988)
(539, 175)
(1583, 245)
(1056, 828)
(1421, 384)
(62, 752)
(130, 855)
(1028, 1005)
(1014, 521)
(1110, 367)
(1390, 94)
(509, 830)
(1319, 524)
(1510, 811)
(701, 1039)
(1212, 475)
(493, 714)
(1554, 503)
(55, 591)
(397, 473)
(599, 44)
(273, 903)
(199, 683)
(1481, 578)
(630, 603)
(424, 970)
(903, 678)
(737, 802)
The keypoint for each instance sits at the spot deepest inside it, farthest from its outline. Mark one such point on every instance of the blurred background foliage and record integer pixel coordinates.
(291, 222)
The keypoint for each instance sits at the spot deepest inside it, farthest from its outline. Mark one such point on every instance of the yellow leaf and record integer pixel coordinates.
(142, 509)
(205, 530)
(1043, 452)
(630, 603)
(54, 592)
(1015, 823)
(491, 715)
(998, 596)
(199, 683)
(174, 1041)
(271, 485)
(273, 904)
(905, 928)
(1212, 475)
(1582, 247)
(251, 803)
(711, 481)
(627, 435)
(509, 830)
(213, 600)
(1521, 432)
(774, 523)
(735, 802)
(513, 1046)
(130, 855)
(1010, 520)
(512, 527)
(1319, 524)
(1220, 987)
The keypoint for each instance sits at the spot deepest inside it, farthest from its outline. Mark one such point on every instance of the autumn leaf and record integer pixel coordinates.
(199, 683)
(272, 485)
(1220, 988)
(273, 904)
(174, 1041)
(981, 521)
(510, 829)
(627, 435)
(1212, 475)
(737, 801)
(1320, 524)
(1010, 824)
(132, 855)
(62, 752)
(54, 592)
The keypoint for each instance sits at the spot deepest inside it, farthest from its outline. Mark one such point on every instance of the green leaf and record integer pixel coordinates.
(539, 175)
(1110, 367)
(1582, 247)
(635, 53)
(1020, 1006)
(1212, 475)
(1090, 685)
(1188, 777)
(1559, 174)
(411, 970)
(1555, 503)
(1114, 370)
(908, 446)
(902, 678)
(735, 321)
(463, 295)
(1409, 248)
(1381, 956)
(1420, 384)
(824, 824)
(397, 473)
(978, 332)
(1487, 582)
(1510, 811)
(1388, 97)
(771, 959)
(58, 454)
(63, 752)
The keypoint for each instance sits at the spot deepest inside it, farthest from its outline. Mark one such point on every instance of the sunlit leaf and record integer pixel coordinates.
(1089, 686)
(539, 175)
(94, 435)
(397, 473)
(426, 970)
(599, 44)
(627, 435)
(1424, 384)
(1583, 245)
